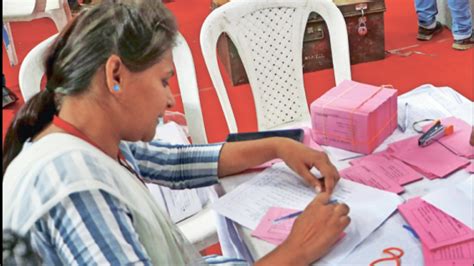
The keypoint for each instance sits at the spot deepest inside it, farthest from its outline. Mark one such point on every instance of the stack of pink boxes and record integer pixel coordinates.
(354, 116)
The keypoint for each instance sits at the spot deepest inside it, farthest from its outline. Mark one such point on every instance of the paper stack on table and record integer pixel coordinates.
(458, 142)
(434, 161)
(279, 186)
(445, 240)
(382, 171)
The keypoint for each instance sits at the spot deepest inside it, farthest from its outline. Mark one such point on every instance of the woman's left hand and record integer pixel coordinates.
(301, 159)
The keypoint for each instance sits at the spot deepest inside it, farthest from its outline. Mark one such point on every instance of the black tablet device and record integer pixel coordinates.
(296, 134)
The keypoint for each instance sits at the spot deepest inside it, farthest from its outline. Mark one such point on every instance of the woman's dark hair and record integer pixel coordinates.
(17, 250)
(138, 31)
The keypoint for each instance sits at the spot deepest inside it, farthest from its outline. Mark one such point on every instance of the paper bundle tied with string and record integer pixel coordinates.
(354, 116)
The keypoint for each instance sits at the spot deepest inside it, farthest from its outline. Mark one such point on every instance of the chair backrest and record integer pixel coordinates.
(27, 10)
(186, 74)
(32, 71)
(268, 36)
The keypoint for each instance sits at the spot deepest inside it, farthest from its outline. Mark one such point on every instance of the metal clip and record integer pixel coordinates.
(361, 7)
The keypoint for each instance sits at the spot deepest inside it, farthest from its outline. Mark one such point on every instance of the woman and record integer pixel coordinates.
(76, 155)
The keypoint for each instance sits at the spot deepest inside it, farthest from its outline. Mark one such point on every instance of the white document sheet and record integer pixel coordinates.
(279, 186)
(179, 204)
(420, 106)
(390, 234)
(455, 200)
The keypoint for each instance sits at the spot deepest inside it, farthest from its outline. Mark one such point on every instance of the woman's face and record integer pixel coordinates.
(147, 97)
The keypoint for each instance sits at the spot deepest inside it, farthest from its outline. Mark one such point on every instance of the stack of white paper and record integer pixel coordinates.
(455, 200)
(279, 186)
(179, 204)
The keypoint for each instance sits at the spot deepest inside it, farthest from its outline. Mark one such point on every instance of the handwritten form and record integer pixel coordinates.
(279, 186)
(435, 228)
(433, 160)
(457, 201)
(461, 254)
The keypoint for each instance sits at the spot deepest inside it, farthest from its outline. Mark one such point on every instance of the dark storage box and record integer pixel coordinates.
(316, 48)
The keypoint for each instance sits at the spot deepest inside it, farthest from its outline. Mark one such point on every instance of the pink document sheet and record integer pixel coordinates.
(373, 177)
(276, 233)
(461, 254)
(458, 142)
(271, 232)
(389, 166)
(435, 161)
(435, 228)
(470, 168)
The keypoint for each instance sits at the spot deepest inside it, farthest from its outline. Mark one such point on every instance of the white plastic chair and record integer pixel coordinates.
(32, 70)
(27, 10)
(268, 35)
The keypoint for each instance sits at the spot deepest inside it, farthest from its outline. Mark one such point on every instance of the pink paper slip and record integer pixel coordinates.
(470, 168)
(274, 233)
(458, 142)
(461, 254)
(389, 166)
(374, 177)
(434, 159)
(435, 228)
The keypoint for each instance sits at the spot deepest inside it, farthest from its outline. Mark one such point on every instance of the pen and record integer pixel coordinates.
(405, 123)
(296, 214)
(411, 230)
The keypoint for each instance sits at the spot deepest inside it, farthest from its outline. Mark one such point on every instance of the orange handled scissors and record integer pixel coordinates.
(396, 255)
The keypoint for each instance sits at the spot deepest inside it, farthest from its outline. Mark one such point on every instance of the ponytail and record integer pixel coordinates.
(31, 119)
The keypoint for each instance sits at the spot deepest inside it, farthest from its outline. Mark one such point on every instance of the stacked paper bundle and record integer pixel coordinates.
(443, 221)
(405, 162)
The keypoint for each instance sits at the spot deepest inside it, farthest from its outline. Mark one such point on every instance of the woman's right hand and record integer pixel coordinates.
(314, 232)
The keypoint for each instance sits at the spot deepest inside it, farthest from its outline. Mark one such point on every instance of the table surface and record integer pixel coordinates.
(391, 230)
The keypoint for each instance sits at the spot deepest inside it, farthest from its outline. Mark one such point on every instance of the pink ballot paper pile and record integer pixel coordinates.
(354, 116)
(433, 161)
(445, 240)
(458, 142)
(382, 171)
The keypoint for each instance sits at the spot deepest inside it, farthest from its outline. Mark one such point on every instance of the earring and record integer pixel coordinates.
(116, 87)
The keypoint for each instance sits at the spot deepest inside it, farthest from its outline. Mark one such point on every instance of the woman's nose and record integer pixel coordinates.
(171, 101)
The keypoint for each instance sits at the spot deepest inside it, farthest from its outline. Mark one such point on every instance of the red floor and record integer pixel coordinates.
(439, 64)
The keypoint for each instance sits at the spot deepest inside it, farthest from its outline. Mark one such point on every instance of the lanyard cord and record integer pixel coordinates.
(70, 129)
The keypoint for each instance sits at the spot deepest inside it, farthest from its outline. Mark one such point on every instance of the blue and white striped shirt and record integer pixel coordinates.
(94, 227)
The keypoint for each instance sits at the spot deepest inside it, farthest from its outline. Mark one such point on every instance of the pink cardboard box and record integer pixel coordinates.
(354, 116)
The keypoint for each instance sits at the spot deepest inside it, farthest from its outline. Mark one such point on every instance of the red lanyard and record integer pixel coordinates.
(70, 129)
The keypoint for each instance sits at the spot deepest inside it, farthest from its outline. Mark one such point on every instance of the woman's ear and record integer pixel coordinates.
(114, 69)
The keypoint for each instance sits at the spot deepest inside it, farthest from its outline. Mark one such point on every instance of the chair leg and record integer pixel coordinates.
(9, 43)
